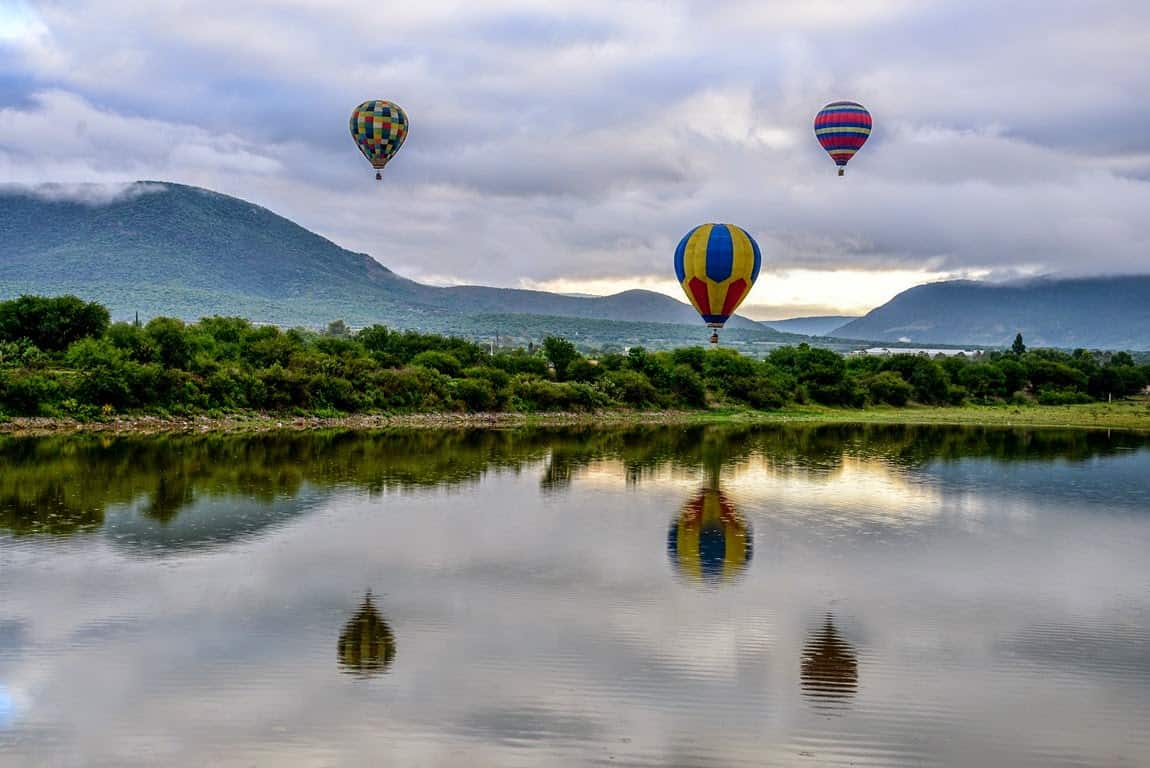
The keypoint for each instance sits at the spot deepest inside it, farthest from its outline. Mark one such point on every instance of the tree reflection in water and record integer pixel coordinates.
(829, 668)
(366, 644)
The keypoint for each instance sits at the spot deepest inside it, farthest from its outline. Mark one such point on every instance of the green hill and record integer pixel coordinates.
(816, 325)
(1096, 313)
(169, 249)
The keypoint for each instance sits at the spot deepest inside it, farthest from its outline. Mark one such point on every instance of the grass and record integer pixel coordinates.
(1125, 414)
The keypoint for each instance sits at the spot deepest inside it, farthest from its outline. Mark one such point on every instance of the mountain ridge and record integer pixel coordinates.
(173, 249)
(1107, 312)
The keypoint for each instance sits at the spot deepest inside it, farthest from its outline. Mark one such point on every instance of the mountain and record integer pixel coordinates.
(170, 249)
(1096, 312)
(817, 325)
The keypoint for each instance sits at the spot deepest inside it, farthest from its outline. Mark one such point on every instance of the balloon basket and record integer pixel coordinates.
(842, 171)
(378, 176)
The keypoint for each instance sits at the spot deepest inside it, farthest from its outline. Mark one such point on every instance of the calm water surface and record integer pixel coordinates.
(653, 597)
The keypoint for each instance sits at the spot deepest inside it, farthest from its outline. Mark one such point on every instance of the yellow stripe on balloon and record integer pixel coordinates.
(744, 256)
(842, 129)
(695, 264)
(735, 552)
(687, 550)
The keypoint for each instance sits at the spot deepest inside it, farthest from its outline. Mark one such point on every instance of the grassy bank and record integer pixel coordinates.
(1125, 415)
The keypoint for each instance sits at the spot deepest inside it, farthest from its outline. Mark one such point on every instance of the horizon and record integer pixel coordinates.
(598, 134)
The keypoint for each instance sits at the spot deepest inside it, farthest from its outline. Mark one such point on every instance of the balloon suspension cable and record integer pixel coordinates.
(842, 171)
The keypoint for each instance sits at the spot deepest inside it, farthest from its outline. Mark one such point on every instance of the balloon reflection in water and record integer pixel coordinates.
(366, 644)
(830, 667)
(710, 542)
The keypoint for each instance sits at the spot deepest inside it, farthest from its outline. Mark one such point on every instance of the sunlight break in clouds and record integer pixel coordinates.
(782, 294)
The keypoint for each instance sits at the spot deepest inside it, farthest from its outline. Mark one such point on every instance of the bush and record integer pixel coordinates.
(535, 394)
(520, 362)
(52, 324)
(687, 386)
(29, 394)
(581, 369)
(408, 390)
(438, 361)
(476, 395)
(629, 387)
(890, 388)
(560, 353)
(1054, 396)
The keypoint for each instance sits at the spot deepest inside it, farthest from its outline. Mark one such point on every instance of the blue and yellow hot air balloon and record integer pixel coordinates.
(710, 542)
(716, 265)
(379, 128)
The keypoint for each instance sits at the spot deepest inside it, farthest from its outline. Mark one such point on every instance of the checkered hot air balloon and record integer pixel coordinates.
(710, 542)
(716, 265)
(842, 127)
(379, 128)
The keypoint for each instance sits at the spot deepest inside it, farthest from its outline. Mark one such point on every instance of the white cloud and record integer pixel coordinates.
(554, 142)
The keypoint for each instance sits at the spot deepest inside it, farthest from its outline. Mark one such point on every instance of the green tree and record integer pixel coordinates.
(888, 387)
(560, 353)
(1018, 348)
(171, 341)
(52, 324)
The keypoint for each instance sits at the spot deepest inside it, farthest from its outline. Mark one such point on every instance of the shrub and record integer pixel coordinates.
(52, 324)
(687, 385)
(476, 395)
(28, 394)
(1055, 396)
(443, 362)
(535, 394)
(888, 387)
(629, 387)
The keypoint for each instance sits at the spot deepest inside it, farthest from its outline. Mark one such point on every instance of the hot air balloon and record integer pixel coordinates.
(842, 127)
(379, 128)
(716, 265)
(710, 542)
(366, 644)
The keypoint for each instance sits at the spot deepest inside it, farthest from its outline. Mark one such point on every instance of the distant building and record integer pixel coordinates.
(888, 351)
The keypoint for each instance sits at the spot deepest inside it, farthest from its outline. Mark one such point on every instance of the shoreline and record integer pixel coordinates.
(1128, 415)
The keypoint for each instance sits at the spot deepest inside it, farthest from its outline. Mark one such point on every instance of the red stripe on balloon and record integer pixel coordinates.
(735, 294)
(702, 298)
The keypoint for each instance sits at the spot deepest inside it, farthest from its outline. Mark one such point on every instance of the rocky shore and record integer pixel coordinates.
(256, 422)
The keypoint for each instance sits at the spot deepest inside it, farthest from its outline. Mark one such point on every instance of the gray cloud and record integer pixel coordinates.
(580, 141)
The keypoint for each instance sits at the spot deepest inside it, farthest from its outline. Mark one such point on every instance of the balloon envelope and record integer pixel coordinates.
(842, 127)
(379, 128)
(710, 542)
(366, 644)
(716, 265)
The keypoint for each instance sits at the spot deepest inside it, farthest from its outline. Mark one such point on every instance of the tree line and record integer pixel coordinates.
(64, 357)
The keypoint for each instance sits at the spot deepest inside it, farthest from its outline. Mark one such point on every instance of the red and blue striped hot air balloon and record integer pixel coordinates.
(842, 127)
(716, 265)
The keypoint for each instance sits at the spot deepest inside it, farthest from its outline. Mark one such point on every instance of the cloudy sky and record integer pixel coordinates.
(568, 146)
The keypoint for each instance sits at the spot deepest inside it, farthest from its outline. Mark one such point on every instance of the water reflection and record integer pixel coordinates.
(366, 644)
(66, 486)
(710, 542)
(7, 708)
(829, 667)
(179, 601)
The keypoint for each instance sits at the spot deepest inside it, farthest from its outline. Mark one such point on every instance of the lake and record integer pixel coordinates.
(688, 596)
